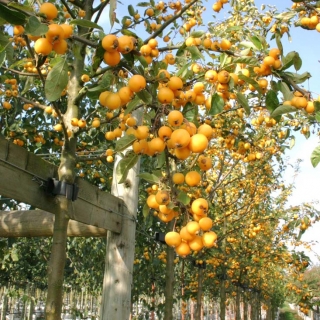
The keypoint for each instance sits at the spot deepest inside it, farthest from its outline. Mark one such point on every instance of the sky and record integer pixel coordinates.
(307, 183)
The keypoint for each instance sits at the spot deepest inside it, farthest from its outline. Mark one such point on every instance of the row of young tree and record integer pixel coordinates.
(207, 109)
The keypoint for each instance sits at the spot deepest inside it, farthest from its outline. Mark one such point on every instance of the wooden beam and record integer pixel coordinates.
(39, 223)
(23, 178)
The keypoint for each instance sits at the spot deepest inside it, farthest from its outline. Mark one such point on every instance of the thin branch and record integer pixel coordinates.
(100, 9)
(28, 74)
(78, 4)
(84, 41)
(219, 184)
(295, 86)
(35, 104)
(167, 23)
(68, 9)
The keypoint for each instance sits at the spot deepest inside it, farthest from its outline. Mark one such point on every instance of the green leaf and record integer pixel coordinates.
(190, 112)
(248, 44)
(35, 27)
(316, 105)
(246, 60)
(97, 57)
(292, 142)
(161, 160)
(57, 80)
(297, 62)
(20, 7)
(272, 101)
(86, 23)
(127, 32)
(298, 78)
(288, 60)
(14, 256)
(124, 142)
(223, 59)
(181, 50)
(283, 109)
(197, 34)
(145, 96)
(315, 156)
(279, 43)
(217, 104)
(149, 177)
(12, 16)
(143, 4)
(243, 101)
(257, 43)
(182, 72)
(112, 13)
(132, 105)
(125, 164)
(131, 10)
(251, 81)
(145, 210)
(195, 53)
(2, 57)
(28, 84)
(287, 94)
(317, 116)
(183, 198)
(143, 61)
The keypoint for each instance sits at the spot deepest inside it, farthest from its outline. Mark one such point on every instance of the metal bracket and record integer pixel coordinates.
(159, 236)
(57, 187)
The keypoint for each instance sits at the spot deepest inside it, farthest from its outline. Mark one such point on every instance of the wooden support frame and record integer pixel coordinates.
(23, 177)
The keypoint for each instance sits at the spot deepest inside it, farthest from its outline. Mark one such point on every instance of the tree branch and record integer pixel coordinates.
(167, 23)
(68, 9)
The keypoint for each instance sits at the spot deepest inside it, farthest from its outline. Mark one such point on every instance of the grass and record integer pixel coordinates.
(286, 313)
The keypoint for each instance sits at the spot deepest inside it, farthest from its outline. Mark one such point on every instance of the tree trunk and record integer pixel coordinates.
(222, 300)
(199, 294)
(245, 307)
(169, 289)
(183, 303)
(116, 296)
(57, 262)
(4, 305)
(238, 309)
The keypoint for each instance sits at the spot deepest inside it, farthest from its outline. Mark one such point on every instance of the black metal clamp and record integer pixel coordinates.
(57, 187)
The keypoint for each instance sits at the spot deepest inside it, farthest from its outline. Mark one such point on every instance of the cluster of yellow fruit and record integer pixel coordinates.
(11, 91)
(116, 100)
(55, 38)
(272, 60)
(115, 46)
(181, 138)
(309, 20)
(206, 42)
(299, 101)
(196, 234)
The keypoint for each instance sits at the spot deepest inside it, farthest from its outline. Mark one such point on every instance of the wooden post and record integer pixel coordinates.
(116, 297)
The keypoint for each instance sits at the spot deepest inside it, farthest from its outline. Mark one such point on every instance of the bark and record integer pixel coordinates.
(169, 289)
(222, 300)
(4, 305)
(183, 303)
(66, 173)
(39, 223)
(238, 309)
(116, 296)
(245, 308)
(199, 294)
(57, 262)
